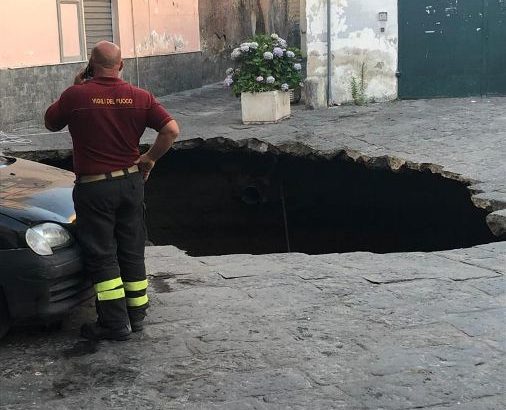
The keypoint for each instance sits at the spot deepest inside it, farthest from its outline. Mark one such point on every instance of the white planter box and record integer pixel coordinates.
(266, 107)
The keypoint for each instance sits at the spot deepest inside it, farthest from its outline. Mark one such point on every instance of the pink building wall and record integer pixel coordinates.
(29, 30)
(28, 33)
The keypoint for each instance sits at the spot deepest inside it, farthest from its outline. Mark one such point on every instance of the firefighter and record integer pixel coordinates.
(106, 117)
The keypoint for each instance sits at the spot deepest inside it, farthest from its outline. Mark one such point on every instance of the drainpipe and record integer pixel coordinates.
(135, 43)
(329, 53)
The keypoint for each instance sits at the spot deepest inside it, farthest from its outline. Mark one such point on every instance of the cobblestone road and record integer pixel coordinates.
(292, 331)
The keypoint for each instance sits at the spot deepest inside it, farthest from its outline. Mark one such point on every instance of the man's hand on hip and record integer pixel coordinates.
(145, 164)
(163, 142)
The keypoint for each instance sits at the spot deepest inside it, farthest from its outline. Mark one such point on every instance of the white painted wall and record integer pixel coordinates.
(356, 38)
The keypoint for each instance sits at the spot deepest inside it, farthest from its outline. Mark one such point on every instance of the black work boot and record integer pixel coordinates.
(93, 331)
(137, 326)
(137, 319)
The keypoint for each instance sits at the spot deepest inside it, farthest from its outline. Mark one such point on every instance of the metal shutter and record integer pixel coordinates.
(97, 22)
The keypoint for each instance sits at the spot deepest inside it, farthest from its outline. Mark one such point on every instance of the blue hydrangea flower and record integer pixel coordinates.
(259, 79)
(244, 48)
(268, 55)
(282, 43)
(228, 81)
(297, 66)
(270, 80)
(236, 53)
(253, 45)
(290, 54)
(284, 87)
(278, 52)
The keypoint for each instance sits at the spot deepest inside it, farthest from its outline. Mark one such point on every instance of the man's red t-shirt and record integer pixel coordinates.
(106, 118)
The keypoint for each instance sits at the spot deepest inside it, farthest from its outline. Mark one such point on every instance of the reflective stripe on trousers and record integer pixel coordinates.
(110, 289)
(135, 293)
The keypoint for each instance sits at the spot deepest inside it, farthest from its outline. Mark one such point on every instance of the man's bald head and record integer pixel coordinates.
(106, 56)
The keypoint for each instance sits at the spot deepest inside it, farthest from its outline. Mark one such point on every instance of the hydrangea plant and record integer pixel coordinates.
(264, 63)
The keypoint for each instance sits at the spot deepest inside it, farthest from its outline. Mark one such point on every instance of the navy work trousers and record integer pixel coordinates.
(111, 233)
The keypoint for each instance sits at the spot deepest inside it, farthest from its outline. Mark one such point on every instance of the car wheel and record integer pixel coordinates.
(5, 320)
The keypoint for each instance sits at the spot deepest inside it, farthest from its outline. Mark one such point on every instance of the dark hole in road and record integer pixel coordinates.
(210, 202)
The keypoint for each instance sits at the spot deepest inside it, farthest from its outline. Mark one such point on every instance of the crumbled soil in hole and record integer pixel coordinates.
(225, 200)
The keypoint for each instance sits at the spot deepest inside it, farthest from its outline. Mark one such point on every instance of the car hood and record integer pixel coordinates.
(31, 192)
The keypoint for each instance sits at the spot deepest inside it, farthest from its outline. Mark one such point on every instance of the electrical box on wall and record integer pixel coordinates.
(382, 18)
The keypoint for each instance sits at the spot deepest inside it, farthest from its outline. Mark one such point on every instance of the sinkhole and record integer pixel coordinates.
(226, 199)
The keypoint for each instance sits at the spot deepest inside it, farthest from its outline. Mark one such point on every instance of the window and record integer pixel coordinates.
(70, 29)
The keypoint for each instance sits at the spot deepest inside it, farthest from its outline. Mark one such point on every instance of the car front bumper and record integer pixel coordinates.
(42, 287)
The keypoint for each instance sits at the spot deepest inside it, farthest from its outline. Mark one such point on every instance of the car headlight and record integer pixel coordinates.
(43, 238)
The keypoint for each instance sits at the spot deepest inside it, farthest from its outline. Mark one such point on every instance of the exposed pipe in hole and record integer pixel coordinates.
(251, 195)
(285, 219)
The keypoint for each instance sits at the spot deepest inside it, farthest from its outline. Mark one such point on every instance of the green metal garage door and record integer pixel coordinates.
(452, 48)
(495, 58)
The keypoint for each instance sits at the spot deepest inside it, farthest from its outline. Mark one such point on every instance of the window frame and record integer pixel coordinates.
(82, 35)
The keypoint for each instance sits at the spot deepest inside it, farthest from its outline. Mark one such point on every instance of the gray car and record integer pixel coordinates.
(41, 275)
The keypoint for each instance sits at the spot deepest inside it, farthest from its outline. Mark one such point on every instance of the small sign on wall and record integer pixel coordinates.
(383, 16)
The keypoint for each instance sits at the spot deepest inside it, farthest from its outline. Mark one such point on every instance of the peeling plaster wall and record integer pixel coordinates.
(356, 39)
(226, 23)
(158, 27)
